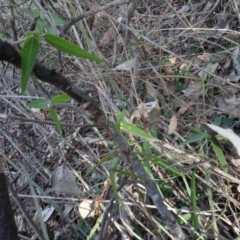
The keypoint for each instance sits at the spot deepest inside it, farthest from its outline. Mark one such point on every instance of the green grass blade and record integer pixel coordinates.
(54, 116)
(131, 128)
(195, 222)
(114, 188)
(219, 153)
(160, 162)
(195, 138)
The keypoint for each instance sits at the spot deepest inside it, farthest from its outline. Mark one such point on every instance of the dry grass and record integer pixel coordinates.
(185, 56)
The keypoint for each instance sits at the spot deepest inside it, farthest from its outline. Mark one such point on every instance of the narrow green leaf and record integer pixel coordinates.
(131, 128)
(125, 173)
(102, 161)
(195, 138)
(54, 116)
(69, 48)
(195, 221)
(114, 188)
(160, 162)
(61, 98)
(29, 55)
(38, 103)
(219, 153)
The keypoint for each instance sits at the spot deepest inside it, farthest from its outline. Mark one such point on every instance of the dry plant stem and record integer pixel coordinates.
(175, 55)
(9, 54)
(88, 13)
(8, 229)
(104, 226)
(28, 120)
(149, 184)
(20, 206)
(136, 50)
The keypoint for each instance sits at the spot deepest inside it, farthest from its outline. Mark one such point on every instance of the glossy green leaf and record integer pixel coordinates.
(131, 128)
(38, 103)
(29, 55)
(54, 117)
(69, 48)
(61, 98)
(195, 138)
(219, 153)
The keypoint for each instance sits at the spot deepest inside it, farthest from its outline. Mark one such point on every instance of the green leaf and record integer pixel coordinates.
(185, 216)
(69, 48)
(61, 98)
(40, 25)
(217, 120)
(57, 20)
(102, 161)
(160, 162)
(195, 138)
(54, 116)
(38, 103)
(146, 147)
(121, 115)
(125, 173)
(114, 188)
(195, 221)
(29, 55)
(130, 128)
(219, 153)
(117, 126)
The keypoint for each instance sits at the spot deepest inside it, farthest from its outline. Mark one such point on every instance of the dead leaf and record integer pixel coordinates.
(192, 88)
(227, 133)
(149, 111)
(233, 100)
(107, 39)
(211, 67)
(128, 65)
(172, 60)
(47, 212)
(236, 162)
(205, 57)
(85, 209)
(152, 91)
(232, 110)
(184, 106)
(63, 182)
(173, 125)
(235, 59)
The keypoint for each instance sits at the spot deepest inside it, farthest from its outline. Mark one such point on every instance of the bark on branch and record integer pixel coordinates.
(9, 53)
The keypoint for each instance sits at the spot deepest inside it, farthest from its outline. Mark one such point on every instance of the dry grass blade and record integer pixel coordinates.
(170, 68)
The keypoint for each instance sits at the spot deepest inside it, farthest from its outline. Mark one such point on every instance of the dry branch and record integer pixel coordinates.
(9, 53)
